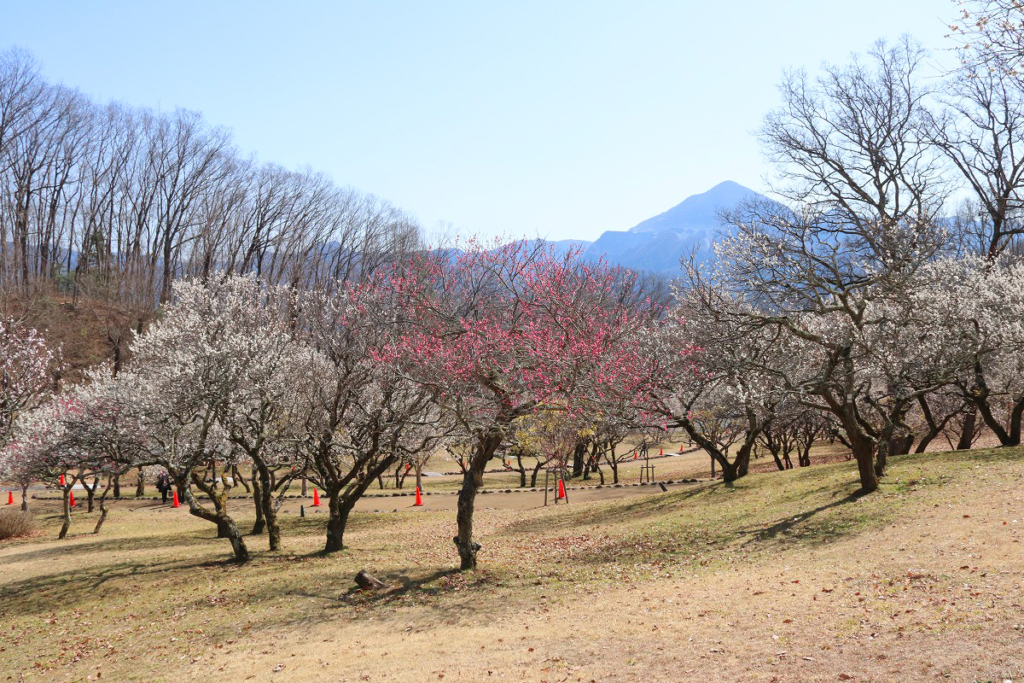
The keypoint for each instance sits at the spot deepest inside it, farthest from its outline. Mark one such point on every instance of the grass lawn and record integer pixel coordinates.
(781, 577)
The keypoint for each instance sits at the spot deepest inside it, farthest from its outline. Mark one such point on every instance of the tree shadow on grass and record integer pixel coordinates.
(50, 592)
(75, 546)
(629, 510)
(688, 536)
(400, 584)
(804, 528)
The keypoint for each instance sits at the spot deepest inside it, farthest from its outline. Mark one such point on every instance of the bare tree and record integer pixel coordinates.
(981, 132)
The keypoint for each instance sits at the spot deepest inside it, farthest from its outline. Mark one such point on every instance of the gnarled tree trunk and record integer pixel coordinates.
(226, 527)
(343, 500)
(471, 482)
(269, 510)
(967, 430)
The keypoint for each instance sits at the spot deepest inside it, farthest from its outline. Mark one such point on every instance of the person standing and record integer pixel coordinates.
(163, 484)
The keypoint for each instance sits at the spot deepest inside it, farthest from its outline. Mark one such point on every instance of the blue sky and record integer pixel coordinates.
(559, 118)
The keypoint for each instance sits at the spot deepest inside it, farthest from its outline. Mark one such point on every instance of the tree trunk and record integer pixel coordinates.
(340, 509)
(980, 401)
(864, 455)
(591, 461)
(261, 524)
(464, 519)
(103, 518)
(743, 455)
(967, 432)
(67, 516)
(577, 459)
(117, 486)
(804, 453)
(341, 505)
(24, 498)
(881, 459)
(471, 481)
(1016, 420)
(860, 445)
(140, 486)
(901, 445)
(226, 527)
(269, 511)
(925, 441)
(103, 507)
(536, 471)
(239, 479)
(731, 471)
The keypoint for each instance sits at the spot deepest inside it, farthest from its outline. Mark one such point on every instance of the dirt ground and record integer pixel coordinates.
(782, 577)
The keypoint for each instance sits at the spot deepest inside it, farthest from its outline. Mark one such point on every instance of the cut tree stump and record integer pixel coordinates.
(367, 581)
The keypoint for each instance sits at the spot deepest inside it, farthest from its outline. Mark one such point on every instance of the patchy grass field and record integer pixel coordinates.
(672, 466)
(782, 577)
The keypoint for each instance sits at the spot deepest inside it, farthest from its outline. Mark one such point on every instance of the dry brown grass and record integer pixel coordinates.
(782, 577)
(84, 328)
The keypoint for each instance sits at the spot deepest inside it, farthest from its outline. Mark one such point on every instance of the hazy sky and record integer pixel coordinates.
(556, 118)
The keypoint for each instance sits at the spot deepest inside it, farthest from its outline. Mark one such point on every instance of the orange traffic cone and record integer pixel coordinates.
(62, 480)
(634, 455)
(680, 448)
(10, 497)
(316, 498)
(561, 490)
(174, 501)
(419, 500)
(72, 498)
(661, 451)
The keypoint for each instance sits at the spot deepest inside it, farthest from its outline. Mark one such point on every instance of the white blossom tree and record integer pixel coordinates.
(28, 369)
(28, 372)
(357, 414)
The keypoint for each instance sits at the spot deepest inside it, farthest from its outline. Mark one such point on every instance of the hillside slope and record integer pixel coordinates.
(779, 577)
(87, 330)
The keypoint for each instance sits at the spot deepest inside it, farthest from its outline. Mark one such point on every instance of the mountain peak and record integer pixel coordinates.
(657, 244)
(727, 185)
(698, 211)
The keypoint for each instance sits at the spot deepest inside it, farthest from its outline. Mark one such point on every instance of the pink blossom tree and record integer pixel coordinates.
(499, 333)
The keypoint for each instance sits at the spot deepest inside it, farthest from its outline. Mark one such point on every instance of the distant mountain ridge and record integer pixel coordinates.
(657, 244)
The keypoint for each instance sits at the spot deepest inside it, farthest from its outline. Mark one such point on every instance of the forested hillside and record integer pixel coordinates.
(103, 204)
